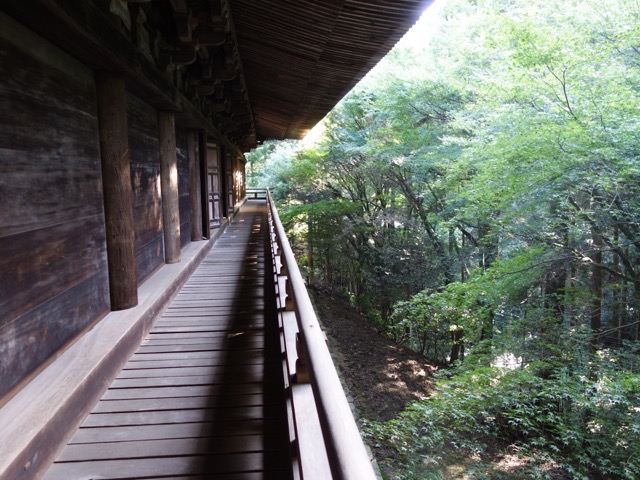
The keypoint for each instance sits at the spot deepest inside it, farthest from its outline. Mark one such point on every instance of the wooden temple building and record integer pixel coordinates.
(153, 323)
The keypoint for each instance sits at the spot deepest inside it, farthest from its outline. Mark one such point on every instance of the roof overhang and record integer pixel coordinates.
(300, 58)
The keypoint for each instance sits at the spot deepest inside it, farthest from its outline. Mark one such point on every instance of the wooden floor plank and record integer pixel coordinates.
(177, 403)
(165, 448)
(183, 338)
(182, 465)
(176, 430)
(200, 327)
(209, 319)
(230, 390)
(143, 468)
(239, 342)
(249, 356)
(217, 293)
(135, 449)
(214, 335)
(119, 469)
(205, 311)
(270, 475)
(230, 376)
(213, 338)
(212, 361)
(214, 303)
(241, 371)
(138, 356)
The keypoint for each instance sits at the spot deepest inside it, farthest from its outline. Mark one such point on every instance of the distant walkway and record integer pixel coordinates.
(203, 395)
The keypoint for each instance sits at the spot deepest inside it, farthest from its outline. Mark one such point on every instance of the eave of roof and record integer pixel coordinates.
(244, 70)
(300, 58)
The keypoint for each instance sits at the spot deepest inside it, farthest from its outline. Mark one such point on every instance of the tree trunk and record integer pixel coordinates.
(486, 333)
(596, 286)
(635, 318)
(488, 244)
(554, 293)
(310, 261)
(423, 341)
(457, 345)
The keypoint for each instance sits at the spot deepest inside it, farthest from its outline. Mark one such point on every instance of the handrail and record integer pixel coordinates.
(256, 192)
(346, 452)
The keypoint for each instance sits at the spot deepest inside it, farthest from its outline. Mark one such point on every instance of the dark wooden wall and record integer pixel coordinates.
(54, 280)
(53, 271)
(183, 187)
(145, 177)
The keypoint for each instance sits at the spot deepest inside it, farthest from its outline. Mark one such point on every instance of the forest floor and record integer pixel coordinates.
(381, 376)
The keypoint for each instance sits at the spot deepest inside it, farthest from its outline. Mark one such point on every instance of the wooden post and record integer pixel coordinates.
(118, 192)
(195, 190)
(169, 186)
(206, 224)
(222, 168)
(231, 192)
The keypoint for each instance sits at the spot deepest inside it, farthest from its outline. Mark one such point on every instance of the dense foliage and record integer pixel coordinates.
(480, 200)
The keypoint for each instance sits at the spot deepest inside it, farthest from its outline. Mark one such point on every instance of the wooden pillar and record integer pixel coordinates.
(242, 167)
(206, 223)
(169, 186)
(231, 193)
(118, 192)
(195, 190)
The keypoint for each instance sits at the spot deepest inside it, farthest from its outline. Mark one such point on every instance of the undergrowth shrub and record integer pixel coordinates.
(571, 424)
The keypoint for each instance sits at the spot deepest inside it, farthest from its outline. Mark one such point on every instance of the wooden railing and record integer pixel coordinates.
(256, 192)
(325, 440)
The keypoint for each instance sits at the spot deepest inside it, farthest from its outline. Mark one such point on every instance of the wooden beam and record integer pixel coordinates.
(121, 10)
(179, 5)
(85, 31)
(183, 26)
(185, 54)
(217, 106)
(195, 190)
(225, 73)
(169, 186)
(205, 89)
(118, 193)
(208, 36)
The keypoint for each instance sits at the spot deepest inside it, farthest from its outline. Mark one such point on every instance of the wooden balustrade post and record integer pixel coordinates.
(302, 368)
(195, 190)
(117, 190)
(288, 302)
(169, 186)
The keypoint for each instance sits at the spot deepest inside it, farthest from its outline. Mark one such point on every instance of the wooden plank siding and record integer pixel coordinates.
(145, 179)
(204, 393)
(53, 270)
(182, 149)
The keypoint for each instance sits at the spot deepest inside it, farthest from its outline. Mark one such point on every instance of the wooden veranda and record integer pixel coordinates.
(204, 392)
(232, 381)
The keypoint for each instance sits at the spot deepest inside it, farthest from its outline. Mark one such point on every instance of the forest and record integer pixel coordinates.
(478, 198)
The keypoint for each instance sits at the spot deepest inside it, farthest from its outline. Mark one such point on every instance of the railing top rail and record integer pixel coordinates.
(256, 192)
(347, 454)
